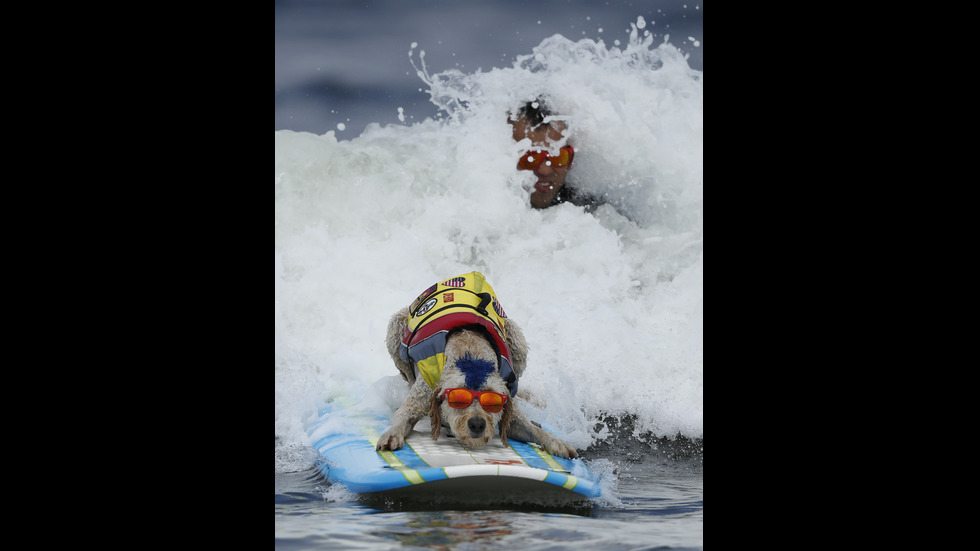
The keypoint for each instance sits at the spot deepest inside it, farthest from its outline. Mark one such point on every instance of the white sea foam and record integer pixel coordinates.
(611, 302)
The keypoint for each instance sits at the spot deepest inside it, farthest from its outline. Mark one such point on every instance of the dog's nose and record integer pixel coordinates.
(476, 425)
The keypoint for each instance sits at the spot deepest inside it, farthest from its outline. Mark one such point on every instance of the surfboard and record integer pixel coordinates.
(443, 471)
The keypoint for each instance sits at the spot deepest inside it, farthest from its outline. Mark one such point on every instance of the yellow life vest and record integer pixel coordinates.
(461, 301)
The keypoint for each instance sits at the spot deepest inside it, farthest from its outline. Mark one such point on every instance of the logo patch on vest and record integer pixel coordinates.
(498, 308)
(455, 282)
(426, 307)
(418, 300)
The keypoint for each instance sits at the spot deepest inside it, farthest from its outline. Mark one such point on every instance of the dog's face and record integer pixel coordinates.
(471, 363)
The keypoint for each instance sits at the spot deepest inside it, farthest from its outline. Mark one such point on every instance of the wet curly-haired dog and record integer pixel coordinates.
(462, 357)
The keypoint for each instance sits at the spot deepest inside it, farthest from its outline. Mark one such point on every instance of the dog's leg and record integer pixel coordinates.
(414, 408)
(522, 429)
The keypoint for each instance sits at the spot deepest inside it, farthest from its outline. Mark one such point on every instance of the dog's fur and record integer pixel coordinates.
(472, 426)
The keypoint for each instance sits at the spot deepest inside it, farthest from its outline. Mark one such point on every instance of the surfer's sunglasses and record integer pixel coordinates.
(533, 159)
(460, 398)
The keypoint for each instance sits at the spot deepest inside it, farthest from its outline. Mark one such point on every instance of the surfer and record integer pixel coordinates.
(534, 120)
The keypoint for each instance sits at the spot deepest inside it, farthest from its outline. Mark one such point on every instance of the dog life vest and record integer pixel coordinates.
(462, 301)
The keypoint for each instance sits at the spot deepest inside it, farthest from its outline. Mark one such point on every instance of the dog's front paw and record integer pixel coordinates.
(392, 440)
(560, 448)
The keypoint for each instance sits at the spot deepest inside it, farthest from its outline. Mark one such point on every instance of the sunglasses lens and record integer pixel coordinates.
(530, 160)
(492, 402)
(562, 159)
(459, 398)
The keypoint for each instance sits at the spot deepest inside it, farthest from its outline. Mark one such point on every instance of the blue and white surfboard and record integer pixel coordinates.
(444, 468)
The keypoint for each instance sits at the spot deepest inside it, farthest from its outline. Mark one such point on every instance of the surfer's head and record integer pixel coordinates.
(536, 122)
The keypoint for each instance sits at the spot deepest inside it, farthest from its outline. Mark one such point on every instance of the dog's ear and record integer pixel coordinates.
(505, 420)
(435, 417)
(518, 347)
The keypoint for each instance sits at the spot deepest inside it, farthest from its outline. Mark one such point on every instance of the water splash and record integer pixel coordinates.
(611, 302)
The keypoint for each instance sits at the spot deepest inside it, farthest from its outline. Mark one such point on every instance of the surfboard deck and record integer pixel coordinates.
(444, 470)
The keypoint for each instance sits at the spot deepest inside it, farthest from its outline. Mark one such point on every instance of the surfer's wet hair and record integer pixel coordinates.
(535, 111)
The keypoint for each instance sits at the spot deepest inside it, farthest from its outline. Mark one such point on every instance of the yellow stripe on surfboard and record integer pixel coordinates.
(411, 475)
(570, 482)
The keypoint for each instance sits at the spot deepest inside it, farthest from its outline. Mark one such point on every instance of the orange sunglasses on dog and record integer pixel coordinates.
(460, 398)
(533, 159)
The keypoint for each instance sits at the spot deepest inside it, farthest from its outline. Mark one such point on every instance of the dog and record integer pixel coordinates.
(462, 357)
